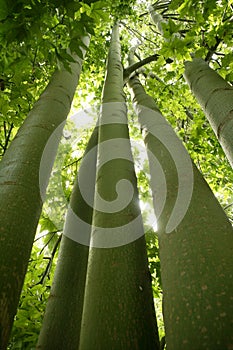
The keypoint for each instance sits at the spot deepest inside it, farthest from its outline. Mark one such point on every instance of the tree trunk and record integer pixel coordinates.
(215, 96)
(118, 307)
(195, 239)
(21, 201)
(158, 19)
(65, 304)
(161, 23)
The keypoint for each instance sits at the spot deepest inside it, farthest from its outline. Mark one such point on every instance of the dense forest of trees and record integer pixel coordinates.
(116, 175)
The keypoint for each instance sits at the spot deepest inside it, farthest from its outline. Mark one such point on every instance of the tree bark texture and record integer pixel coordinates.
(65, 304)
(21, 193)
(196, 250)
(118, 306)
(215, 96)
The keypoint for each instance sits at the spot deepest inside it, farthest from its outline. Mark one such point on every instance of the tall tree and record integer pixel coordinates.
(212, 92)
(195, 239)
(65, 304)
(118, 308)
(215, 96)
(21, 200)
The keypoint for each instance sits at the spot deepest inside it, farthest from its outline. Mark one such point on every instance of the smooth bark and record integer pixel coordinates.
(161, 23)
(21, 201)
(196, 251)
(118, 306)
(215, 96)
(65, 305)
(158, 19)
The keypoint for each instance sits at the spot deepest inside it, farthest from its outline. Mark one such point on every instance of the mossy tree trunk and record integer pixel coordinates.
(215, 96)
(118, 306)
(21, 201)
(195, 245)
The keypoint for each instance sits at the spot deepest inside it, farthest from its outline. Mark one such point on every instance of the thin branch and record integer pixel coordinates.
(189, 114)
(139, 64)
(48, 267)
(152, 26)
(137, 55)
(5, 131)
(212, 49)
(46, 234)
(228, 206)
(137, 33)
(74, 162)
(179, 19)
(58, 24)
(161, 6)
(173, 15)
(47, 243)
(8, 136)
(143, 14)
(220, 54)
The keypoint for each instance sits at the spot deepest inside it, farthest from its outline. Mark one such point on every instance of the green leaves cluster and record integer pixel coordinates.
(32, 303)
(34, 38)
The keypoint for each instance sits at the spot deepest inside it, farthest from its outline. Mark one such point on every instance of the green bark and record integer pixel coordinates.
(158, 19)
(196, 256)
(21, 201)
(215, 96)
(65, 304)
(161, 23)
(118, 307)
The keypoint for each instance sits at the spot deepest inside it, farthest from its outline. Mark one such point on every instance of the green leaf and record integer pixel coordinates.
(74, 47)
(3, 9)
(47, 224)
(66, 56)
(71, 8)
